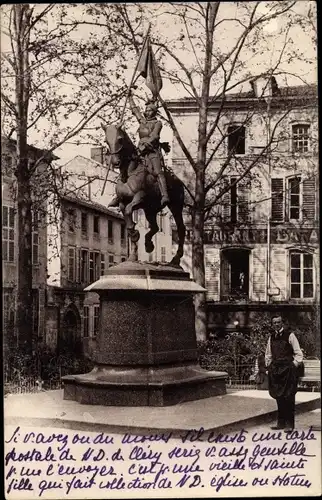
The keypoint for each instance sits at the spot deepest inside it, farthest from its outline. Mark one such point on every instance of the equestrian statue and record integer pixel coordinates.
(144, 181)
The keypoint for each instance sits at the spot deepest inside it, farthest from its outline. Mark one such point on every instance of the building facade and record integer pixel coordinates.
(87, 239)
(10, 246)
(261, 241)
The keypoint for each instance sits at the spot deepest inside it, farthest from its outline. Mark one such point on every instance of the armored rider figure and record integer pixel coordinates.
(149, 143)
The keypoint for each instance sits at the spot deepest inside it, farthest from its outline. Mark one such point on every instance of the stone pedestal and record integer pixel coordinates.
(146, 352)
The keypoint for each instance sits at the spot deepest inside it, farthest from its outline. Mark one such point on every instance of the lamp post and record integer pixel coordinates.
(235, 351)
(268, 266)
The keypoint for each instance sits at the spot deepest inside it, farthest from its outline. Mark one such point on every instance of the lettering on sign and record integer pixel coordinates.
(303, 236)
(235, 236)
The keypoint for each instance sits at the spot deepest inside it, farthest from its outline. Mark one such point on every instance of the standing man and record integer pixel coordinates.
(283, 356)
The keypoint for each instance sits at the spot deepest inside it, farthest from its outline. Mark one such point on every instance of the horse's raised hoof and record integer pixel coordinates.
(149, 246)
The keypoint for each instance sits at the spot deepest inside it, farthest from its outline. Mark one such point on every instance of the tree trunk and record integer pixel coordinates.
(198, 264)
(24, 311)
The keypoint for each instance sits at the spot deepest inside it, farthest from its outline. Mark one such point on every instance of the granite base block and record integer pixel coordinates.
(164, 386)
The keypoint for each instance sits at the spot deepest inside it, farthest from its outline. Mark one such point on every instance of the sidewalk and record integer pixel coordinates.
(221, 413)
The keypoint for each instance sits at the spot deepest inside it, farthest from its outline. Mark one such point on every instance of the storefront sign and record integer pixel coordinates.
(235, 236)
(294, 235)
(279, 235)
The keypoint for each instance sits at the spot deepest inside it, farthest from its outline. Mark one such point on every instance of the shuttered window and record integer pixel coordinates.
(236, 202)
(299, 202)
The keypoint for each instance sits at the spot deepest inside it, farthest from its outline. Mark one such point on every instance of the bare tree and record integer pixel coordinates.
(208, 53)
(45, 95)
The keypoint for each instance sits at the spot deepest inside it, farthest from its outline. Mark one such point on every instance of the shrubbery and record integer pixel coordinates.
(236, 353)
(44, 365)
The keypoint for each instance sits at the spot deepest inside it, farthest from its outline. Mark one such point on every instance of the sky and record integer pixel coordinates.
(255, 60)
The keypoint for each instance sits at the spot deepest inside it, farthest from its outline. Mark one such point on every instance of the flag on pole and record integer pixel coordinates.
(148, 68)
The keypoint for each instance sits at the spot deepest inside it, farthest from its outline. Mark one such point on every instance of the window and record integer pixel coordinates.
(294, 188)
(84, 224)
(300, 138)
(96, 225)
(71, 214)
(102, 264)
(123, 238)
(123, 259)
(71, 264)
(110, 260)
(86, 321)
(8, 226)
(236, 139)
(110, 234)
(301, 275)
(163, 254)
(84, 266)
(234, 274)
(96, 320)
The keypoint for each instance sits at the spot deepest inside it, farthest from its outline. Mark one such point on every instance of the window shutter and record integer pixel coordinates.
(309, 199)
(258, 273)
(78, 265)
(212, 256)
(277, 200)
(278, 272)
(225, 200)
(243, 197)
(225, 273)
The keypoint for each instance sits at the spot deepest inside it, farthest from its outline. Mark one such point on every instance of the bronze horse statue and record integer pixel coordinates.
(137, 188)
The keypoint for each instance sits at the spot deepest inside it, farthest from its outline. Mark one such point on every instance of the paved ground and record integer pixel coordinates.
(238, 409)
